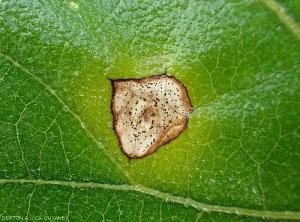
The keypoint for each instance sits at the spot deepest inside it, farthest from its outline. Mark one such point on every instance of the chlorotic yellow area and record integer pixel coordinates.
(175, 158)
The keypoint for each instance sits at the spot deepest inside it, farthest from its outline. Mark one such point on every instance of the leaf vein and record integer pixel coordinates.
(60, 100)
(295, 215)
(284, 17)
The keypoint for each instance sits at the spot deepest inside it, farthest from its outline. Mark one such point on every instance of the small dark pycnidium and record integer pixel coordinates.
(148, 113)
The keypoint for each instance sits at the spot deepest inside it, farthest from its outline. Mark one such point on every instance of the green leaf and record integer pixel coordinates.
(239, 158)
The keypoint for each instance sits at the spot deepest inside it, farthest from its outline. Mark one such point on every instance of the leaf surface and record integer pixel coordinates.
(239, 157)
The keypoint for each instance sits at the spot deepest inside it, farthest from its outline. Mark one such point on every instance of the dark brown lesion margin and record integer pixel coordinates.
(143, 80)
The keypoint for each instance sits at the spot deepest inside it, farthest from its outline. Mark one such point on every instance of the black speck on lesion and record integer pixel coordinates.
(158, 103)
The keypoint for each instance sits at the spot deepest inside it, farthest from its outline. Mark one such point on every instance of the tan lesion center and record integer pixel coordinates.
(148, 113)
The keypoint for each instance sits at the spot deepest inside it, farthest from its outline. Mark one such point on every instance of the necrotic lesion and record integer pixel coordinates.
(149, 113)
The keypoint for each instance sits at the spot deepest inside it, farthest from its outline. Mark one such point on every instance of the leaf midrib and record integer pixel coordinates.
(290, 215)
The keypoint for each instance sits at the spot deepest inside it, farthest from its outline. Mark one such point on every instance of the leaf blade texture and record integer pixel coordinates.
(237, 160)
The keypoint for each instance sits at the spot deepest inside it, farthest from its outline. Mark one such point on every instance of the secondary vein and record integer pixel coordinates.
(287, 215)
(283, 15)
(77, 117)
